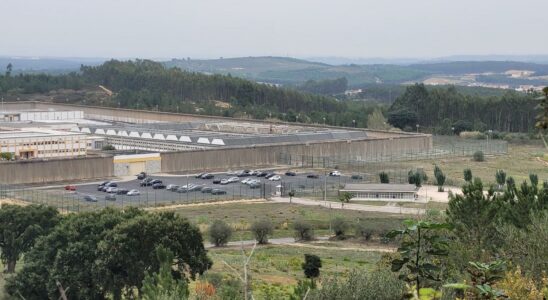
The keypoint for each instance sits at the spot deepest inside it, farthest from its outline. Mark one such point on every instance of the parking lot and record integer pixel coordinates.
(149, 197)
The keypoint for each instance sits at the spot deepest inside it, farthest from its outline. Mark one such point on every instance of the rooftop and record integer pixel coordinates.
(380, 187)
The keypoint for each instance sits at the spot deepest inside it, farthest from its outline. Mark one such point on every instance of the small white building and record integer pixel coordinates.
(382, 192)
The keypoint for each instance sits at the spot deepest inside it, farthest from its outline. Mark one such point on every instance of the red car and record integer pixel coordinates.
(70, 188)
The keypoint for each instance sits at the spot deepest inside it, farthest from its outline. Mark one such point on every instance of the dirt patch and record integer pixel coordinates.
(221, 104)
(175, 206)
(13, 202)
(274, 279)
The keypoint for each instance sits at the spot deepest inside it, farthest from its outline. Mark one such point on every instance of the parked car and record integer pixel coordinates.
(158, 186)
(182, 189)
(133, 193)
(172, 187)
(313, 176)
(269, 175)
(254, 185)
(90, 198)
(111, 190)
(141, 176)
(199, 175)
(224, 181)
(195, 187)
(356, 177)
(103, 183)
(262, 174)
(245, 181)
(207, 176)
(216, 181)
(335, 173)
(275, 178)
(70, 187)
(218, 192)
(233, 179)
(147, 181)
(122, 192)
(243, 174)
(290, 173)
(207, 189)
(110, 197)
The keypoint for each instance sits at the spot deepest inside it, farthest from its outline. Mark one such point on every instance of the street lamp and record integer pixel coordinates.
(452, 130)
(354, 123)
(417, 128)
(488, 134)
(324, 121)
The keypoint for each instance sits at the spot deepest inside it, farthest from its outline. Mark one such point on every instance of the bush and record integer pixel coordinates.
(363, 285)
(303, 230)
(383, 176)
(311, 266)
(339, 226)
(474, 135)
(108, 148)
(219, 233)
(478, 156)
(262, 229)
(364, 231)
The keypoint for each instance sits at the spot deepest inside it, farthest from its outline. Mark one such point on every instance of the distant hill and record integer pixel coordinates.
(46, 65)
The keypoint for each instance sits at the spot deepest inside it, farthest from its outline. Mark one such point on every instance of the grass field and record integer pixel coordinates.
(241, 215)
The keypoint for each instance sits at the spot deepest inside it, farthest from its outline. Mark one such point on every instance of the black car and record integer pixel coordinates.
(290, 173)
(141, 176)
(313, 176)
(207, 189)
(218, 192)
(217, 181)
(158, 186)
(103, 183)
(207, 176)
(146, 181)
(90, 198)
(122, 191)
(262, 174)
(199, 175)
(356, 177)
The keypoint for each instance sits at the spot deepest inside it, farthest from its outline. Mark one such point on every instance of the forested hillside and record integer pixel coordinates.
(442, 109)
(146, 84)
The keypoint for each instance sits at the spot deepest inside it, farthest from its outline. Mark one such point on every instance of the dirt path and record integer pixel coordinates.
(176, 206)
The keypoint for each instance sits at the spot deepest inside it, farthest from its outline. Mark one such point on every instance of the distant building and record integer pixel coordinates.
(352, 92)
(40, 116)
(40, 143)
(382, 192)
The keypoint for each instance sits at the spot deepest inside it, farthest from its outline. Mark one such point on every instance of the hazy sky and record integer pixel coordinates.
(214, 28)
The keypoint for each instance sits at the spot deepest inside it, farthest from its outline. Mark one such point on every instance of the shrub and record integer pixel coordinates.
(475, 135)
(262, 229)
(219, 233)
(467, 175)
(364, 231)
(478, 156)
(375, 285)
(108, 148)
(303, 230)
(311, 266)
(383, 176)
(339, 226)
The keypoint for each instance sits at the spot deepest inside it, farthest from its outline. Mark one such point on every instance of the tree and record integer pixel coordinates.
(421, 247)
(303, 230)
(9, 69)
(467, 175)
(6, 156)
(20, 226)
(440, 178)
(129, 249)
(500, 176)
(402, 118)
(417, 177)
(542, 117)
(311, 266)
(383, 176)
(364, 231)
(262, 229)
(108, 148)
(163, 285)
(219, 233)
(345, 197)
(291, 194)
(473, 214)
(376, 120)
(339, 226)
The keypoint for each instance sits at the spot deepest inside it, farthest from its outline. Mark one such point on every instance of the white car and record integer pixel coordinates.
(225, 181)
(275, 178)
(246, 181)
(133, 193)
(253, 181)
(233, 179)
(111, 190)
(172, 187)
(335, 173)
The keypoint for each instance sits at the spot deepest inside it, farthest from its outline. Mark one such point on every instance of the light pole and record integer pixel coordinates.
(488, 135)
(323, 121)
(417, 128)
(452, 130)
(354, 123)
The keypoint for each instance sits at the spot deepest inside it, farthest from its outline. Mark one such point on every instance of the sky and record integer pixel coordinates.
(297, 28)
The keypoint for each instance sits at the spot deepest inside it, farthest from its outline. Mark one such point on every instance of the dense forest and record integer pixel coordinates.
(145, 84)
(445, 110)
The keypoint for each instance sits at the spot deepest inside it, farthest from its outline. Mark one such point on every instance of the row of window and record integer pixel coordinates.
(384, 195)
(61, 151)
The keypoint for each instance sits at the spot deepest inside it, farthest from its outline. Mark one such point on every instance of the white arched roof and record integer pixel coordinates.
(185, 139)
(203, 140)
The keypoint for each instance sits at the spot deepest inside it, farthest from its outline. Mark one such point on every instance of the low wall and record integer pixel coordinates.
(267, 155)
(52, 170)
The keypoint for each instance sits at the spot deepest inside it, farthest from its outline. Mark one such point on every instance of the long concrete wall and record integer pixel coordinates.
(218, 159)
(53, 170)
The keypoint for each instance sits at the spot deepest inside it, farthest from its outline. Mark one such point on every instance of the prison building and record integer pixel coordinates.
(39, 143)
(382, 192)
